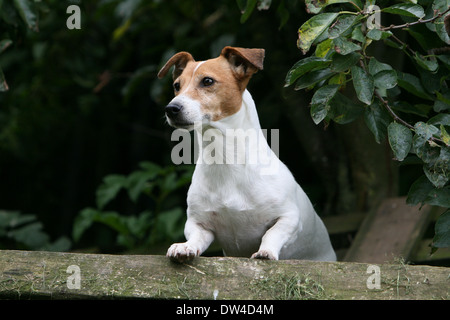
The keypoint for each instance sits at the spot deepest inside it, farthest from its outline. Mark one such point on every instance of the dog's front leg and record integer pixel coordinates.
(198, 240)
(276, 237)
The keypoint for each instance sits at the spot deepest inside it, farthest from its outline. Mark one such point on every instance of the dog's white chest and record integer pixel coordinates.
(237, 211)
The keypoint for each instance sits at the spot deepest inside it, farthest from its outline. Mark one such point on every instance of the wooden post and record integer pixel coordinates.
(390, 232)
(28, 275)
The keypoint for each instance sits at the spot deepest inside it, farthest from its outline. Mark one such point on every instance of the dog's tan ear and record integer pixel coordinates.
(180, 60)
(244, 61)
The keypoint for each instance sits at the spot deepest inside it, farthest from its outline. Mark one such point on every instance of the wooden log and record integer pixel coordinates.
(28, 275)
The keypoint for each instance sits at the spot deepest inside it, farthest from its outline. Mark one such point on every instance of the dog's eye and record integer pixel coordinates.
(176, 86)
(207, 81)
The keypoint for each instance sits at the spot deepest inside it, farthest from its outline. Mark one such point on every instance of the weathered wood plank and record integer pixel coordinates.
(28, 275)
(390, 232)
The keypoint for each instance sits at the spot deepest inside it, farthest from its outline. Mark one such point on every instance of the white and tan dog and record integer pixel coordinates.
(252, 213)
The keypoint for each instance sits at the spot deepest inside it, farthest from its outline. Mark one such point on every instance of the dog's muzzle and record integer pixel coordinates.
(173, 110)
(175, 116)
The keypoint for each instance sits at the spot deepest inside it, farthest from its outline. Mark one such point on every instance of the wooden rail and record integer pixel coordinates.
(29, 275)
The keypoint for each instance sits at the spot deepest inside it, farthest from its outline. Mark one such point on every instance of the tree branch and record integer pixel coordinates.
(407, 25)
(398, 119)
(392, 113)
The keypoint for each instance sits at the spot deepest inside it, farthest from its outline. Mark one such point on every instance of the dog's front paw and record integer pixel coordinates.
(181, 252)
(263, 254)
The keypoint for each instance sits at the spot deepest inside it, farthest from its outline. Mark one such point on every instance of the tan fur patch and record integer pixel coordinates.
(219, 100)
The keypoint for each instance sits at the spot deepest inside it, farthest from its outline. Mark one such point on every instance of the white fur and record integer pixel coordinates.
(250, 214)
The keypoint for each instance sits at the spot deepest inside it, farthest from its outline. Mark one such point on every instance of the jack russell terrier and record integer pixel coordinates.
(252, 213)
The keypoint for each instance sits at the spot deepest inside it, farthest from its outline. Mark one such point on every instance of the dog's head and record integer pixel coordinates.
(209, 90)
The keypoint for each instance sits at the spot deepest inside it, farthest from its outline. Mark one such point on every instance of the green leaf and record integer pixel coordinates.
(425, 130)
(14, 219)
(421, 146)
(31, 235)
(445, 98)
(324, 48)
(89, 215)
(4, 44)
(312, 78)
(139, 226)
(376, 67)
(357, 34)
(400, 140)
(313, 28)
(315, 6)
(341, 25)
(440, 119)
(441, 104)
(343, 110)
(363, 84)
(406, 9)
(442, 231)
(303, 66)
(320, 103)
(249, 7)
(82, 222)
(113, 220)
(3, 85)
(445, 59)
(120, 31)
(421, 110)
(419, 190)
(344, 46)
(424, 150)
(374, 34)
(339, 79)
(412, 84)
(109, 189)
(445, 136)
(186, 174)
(23, 228)
(342, 63)
(150, 167)
(137, 182)
(429, 65)
(377, 120)
(28, 13)
(169, 183)
(170, 223)
(437, 170)
(62, 244)
(426, 38)
(441, 30)
(386, 79)
(440, 5)
(439, 197)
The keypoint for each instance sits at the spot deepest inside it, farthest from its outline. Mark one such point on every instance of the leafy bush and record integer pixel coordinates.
(11, 12)
(24, 231)
(351, 79)
(154, 183)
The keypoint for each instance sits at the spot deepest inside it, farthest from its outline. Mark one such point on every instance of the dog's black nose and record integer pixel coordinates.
(173, 109)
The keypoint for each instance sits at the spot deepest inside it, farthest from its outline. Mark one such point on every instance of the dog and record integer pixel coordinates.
(251, 213)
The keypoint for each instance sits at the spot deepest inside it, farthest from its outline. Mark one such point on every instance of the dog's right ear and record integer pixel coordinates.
(180, 60)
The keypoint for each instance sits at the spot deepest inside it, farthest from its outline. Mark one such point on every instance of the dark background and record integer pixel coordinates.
(86, 103)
